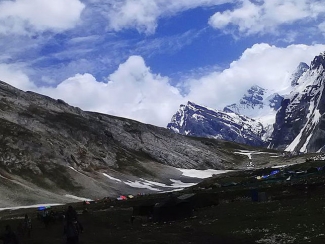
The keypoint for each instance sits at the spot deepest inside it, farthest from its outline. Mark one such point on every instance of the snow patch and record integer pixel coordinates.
(77, 198)
(77, 171)
(112, 178)
(142, 185)
(180, 184)
(201, 174)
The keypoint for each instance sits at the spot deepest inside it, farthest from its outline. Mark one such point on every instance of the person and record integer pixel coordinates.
(71, 214)
(72, 228)
(27, 225)
(9, 237)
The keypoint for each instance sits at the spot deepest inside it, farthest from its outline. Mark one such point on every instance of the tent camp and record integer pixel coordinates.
(144, 209)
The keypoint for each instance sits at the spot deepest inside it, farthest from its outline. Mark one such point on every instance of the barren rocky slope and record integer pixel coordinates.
(50, 149)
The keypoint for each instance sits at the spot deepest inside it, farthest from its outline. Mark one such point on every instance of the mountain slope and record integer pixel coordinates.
(50, 150)
(299, 123)
(301, 69)
(196, 120)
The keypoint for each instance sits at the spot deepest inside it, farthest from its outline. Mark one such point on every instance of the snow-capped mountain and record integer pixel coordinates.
(196, 120)
(258, 104)
(300, 125)
(291, 119)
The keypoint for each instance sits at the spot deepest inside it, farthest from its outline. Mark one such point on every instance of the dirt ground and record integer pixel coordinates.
(294, 213)
(298, 220)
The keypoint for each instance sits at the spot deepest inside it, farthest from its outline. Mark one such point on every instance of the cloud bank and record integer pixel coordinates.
(135, 92)
(25, 17)
(143, 14)
(252, 17)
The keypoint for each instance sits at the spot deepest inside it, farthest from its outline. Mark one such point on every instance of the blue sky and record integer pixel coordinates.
(141, 59)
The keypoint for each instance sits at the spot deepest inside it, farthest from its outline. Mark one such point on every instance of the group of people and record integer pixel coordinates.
(72, 229)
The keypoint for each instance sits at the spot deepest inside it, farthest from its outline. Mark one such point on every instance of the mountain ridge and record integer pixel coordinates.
(51, 150)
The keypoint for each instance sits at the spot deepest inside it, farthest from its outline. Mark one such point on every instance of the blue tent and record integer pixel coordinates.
(274, 172)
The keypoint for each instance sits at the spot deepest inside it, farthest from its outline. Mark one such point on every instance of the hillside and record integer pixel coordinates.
(50, 149)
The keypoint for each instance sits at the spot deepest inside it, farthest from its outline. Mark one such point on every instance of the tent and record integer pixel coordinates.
(312, 170)
(201, 200)
(171, 209)
(42, 208)
(120, 198)
(257, 196)
(274, 172)
(144, 209)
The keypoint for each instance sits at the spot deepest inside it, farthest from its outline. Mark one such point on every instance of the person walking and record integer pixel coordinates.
(72, 227)
(27, 227)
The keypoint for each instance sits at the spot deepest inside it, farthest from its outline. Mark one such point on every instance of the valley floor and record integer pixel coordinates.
(293, 213)
(298, 220)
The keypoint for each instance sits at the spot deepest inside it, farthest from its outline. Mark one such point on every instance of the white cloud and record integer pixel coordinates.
(133, 91)
(14, 75)
(143, 14)
(251, 17)
(25, 16)
(262, 64)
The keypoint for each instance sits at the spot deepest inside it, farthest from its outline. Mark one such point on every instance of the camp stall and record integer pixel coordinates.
(42, 211)
(171, 209)
(144, 209)
(201, 200)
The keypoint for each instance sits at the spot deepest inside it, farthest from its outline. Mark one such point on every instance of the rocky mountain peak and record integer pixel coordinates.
(318, 62)
(253, 97)
(300, 70)
(196, 120)
(275, 101)
(299, 123)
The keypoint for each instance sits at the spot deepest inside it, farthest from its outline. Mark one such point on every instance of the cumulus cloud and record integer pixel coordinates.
(134, 91)
(251, 17)
(143, 14)
(25, 16)
(14, 75)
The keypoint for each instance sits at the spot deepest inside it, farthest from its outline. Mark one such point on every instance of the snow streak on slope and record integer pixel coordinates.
(111, 178)
(77, 198)
(309, 85)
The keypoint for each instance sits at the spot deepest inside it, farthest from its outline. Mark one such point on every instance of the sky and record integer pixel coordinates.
(141, 59)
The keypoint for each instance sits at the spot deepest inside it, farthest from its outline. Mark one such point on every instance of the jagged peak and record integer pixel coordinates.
(319, 61)
(256, 88)
(302, 66)
(300, 70)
